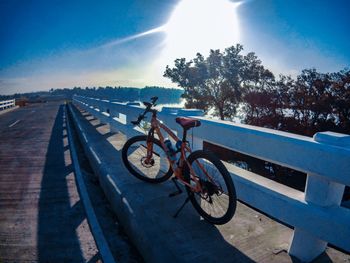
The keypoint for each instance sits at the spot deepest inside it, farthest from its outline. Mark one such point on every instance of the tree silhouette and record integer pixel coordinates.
(313, 102)
(218, 81)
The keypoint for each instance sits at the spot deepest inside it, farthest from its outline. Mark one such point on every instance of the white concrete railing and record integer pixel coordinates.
(5, 104)
(315, 214)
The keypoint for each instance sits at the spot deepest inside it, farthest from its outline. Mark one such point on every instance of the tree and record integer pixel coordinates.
(219, 81)
(312, 103)
(340, 103)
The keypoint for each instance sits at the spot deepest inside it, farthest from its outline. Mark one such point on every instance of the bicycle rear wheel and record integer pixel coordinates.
(155, 170)
(217, 201)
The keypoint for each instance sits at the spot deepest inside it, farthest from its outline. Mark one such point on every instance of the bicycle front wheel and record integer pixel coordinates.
(217, 200)
(156, 169)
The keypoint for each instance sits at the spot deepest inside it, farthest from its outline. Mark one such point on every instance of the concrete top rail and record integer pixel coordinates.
(315, 214)
(7, 104)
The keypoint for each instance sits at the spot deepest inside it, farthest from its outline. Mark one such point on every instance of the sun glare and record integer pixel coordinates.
(200, 25)
(195, 26)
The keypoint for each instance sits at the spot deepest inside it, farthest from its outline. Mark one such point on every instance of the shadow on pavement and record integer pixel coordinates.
(58, 220)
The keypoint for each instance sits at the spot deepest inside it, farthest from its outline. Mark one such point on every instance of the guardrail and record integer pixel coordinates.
(5, 104)
(316, 214)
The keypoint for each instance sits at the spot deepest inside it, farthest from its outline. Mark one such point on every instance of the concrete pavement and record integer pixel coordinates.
(41, 216)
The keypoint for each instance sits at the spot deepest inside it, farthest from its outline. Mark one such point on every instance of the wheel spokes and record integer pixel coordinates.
(154, 167)
(213, 199)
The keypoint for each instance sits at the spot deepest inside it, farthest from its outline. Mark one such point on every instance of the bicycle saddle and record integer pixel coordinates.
(188, 123)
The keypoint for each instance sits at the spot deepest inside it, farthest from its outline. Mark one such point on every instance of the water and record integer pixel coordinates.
(181, 104)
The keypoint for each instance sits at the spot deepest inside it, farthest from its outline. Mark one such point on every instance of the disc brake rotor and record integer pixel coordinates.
(147, 163)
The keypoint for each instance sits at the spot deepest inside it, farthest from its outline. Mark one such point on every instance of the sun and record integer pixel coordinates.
(200, 25)
(194, 26)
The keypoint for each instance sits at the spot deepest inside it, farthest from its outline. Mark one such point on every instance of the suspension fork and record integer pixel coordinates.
(149, 142)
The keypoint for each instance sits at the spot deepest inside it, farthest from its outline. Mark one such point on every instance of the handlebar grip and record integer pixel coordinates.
(154, 99)
(148, 109)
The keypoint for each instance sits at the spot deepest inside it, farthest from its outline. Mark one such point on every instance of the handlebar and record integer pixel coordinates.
(154, 99)
(148, 109)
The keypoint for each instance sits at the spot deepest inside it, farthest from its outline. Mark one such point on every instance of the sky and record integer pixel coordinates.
(48, 44)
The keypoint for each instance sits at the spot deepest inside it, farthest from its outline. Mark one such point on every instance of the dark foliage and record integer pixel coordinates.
(312, 103)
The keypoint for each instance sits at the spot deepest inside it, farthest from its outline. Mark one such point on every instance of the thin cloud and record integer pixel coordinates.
(118, 42)
(113, 63)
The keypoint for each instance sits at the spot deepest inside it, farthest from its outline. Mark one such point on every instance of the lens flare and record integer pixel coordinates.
(133, 37)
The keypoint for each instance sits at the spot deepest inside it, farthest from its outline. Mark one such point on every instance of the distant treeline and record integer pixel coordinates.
(27, 95)
(121, 94)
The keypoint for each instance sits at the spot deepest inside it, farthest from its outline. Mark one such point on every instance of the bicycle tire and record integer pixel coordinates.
(224, 178)
(135, 164)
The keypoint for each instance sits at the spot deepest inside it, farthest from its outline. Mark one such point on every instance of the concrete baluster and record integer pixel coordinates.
(112, 122)
(321, 192)
(99, 110)
(92, 106)
(95, 109)
(104, 111)
(128, 129)
(91, 103)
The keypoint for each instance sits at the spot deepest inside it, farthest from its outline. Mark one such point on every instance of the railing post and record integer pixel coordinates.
(104, 109)
(112, 115)
(321, 192)
(98, 105)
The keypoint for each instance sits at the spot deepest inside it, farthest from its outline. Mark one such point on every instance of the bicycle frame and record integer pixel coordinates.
(156, 126)
(193, 170)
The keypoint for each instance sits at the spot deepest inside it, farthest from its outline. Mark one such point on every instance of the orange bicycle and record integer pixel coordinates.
(207, 181)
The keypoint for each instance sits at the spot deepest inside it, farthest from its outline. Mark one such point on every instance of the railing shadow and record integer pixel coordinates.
(57, 220)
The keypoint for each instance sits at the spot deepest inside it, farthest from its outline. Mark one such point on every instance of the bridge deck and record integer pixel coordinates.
(41, 216)
(146, 212)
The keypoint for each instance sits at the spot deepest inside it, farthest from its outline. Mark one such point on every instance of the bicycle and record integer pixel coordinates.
(207, 181)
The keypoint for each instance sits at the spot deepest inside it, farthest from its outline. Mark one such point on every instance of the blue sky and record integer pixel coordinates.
(62, 44)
